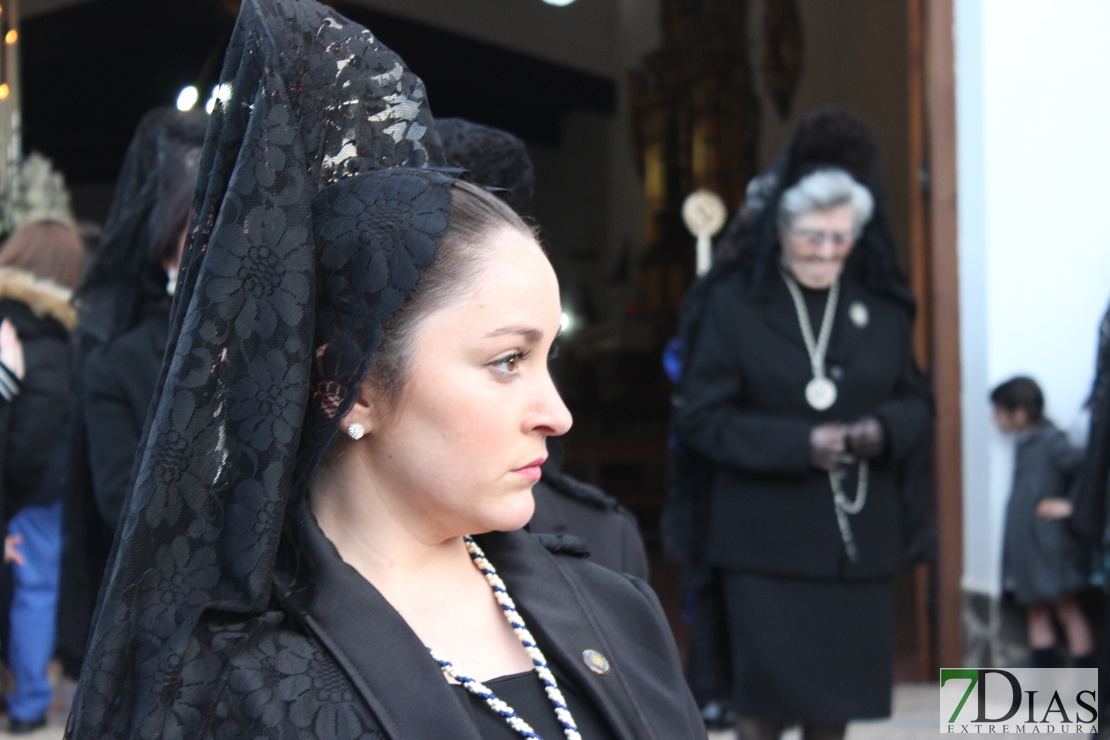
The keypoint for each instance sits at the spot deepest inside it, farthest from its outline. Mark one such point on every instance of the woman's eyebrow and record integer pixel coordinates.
(530, 333)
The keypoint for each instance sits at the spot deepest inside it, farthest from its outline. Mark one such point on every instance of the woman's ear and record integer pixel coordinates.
(359, 419)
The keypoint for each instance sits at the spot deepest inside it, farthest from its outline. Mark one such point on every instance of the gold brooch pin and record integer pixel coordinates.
(595, 661)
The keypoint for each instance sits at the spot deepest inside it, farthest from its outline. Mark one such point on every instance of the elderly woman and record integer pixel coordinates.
(323, 537)
(801, 389)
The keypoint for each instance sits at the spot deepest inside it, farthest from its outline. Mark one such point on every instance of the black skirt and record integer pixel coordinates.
(810, 651)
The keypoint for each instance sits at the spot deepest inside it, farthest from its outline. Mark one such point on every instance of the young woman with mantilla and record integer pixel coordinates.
(323, 536)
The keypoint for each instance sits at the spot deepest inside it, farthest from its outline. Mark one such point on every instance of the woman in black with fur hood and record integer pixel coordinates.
(801, 390)
(39, 265)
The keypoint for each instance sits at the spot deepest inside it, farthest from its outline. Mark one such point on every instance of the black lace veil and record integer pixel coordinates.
(111, 294)
(493, 158)
(125, 278)
(312, 222)
(828, 137)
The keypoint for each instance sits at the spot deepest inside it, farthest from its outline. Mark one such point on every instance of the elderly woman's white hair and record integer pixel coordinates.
(823, 189)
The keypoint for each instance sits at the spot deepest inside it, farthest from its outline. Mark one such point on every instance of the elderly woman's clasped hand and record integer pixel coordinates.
(834, 444)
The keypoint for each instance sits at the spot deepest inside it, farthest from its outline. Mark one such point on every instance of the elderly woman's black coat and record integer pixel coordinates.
(742, 404)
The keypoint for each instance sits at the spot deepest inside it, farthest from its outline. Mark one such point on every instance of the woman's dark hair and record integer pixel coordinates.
(168, 218)
(49, 248)
(473, 217)
(1020, 393)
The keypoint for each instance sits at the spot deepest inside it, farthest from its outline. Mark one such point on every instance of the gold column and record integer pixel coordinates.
(11, 152)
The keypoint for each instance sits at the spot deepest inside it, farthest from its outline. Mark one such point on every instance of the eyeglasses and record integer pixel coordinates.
(814, 239)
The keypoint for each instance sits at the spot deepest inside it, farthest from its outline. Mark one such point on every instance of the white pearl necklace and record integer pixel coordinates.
(516, 621)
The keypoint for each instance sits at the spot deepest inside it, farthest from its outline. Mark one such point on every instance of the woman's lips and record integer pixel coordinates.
(532, 471)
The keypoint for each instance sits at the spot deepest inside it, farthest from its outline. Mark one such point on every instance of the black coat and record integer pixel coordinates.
(567, 506)
(1088, 519)
(112, 393)
(330, 658)
(119, 382)
(33, 423)
(1041, 559)
(742, 404)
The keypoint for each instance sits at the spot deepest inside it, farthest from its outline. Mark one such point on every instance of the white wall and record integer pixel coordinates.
(1033, 157)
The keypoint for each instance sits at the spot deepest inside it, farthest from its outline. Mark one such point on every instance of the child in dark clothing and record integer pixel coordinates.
(1042, 564)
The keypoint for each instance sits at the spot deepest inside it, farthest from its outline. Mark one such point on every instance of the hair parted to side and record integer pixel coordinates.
(826, 188)
(170, 213)
(1020, 393)
(49, 248)
(474, 216)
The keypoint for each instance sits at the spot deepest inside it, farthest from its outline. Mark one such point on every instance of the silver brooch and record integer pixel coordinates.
(859, 314)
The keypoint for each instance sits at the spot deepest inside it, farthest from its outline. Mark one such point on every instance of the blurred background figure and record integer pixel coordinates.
(123, 308)
(40, 264)
(1044, 565)
(800, 388)
(1088, 518)
(564, 505)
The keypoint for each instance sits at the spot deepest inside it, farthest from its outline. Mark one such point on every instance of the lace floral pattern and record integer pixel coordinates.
(374, 234)
(315, 101)
(493, 158)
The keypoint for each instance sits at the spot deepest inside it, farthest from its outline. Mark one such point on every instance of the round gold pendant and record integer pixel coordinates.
(821, 393)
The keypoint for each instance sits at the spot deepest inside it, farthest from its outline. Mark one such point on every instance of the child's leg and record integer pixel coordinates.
(1041, 634)
(1074, 622)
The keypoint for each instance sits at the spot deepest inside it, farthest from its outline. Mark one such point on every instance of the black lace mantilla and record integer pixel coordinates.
(828, 137)
(314, 102)
(375, 235)
(494, 158)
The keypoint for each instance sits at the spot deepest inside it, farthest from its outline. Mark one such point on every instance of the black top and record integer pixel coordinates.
(565, 505)
(119, 383)
(524, 692)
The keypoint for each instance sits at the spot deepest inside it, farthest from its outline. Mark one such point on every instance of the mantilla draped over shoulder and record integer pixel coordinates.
(270, 328)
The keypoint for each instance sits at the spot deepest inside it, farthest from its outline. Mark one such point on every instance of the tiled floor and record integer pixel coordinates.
(914, 718)
(55, 728)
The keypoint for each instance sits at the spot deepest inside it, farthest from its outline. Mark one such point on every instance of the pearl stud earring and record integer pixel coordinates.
(356, 430)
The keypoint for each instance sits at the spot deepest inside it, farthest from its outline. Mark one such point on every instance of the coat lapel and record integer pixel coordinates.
(777, 310)
(375, 646)
(853, 317)
(564, 626)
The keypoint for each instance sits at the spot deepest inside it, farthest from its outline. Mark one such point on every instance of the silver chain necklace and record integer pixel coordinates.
(845, 508)
(821, 394)
(516, 621)
(820, 391)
